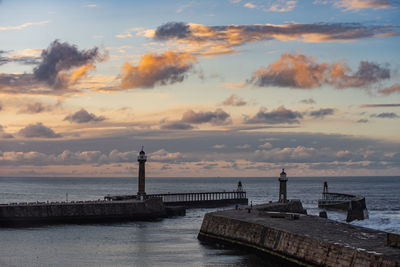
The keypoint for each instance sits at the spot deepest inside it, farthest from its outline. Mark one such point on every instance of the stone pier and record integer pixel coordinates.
(81, 212)
(299, 239)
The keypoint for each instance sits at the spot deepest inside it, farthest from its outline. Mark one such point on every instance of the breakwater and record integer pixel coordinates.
(354, 205)
(300, 239)
(81, 212)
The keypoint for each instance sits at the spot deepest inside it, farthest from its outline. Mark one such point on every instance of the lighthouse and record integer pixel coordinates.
(142, 158)
(282, 187)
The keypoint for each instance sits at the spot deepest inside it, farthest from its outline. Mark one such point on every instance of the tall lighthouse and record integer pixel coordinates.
(282, 187)
(142, 158)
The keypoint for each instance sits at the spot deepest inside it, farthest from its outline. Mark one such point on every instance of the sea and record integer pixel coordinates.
(170, 241)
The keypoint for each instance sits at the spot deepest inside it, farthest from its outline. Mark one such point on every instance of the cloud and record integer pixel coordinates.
(59, 58)
(68, 157)
(218, 117)
(169, 30)
(182, 7)
(244, 146)
(124, 35)
(395, 88)
(250, 5)
(4, 134)
(91, 5)
(352, 153)
(215, 40)
(379, 105)
(157, 69)
(217, 146)
(321, 113)
(278, 116)
(23, 59)
(283, 6)
(175, 125)
(234, 85)
(273, 6)
(308, 101)
(385, 115)
(61, 65)
(36, 107)
(21, 84)
(356, 5)
(22, 26)
(300, 71)
(234, 100)
(82, 116)
(266, 145)
(164, 156)
(38, 130)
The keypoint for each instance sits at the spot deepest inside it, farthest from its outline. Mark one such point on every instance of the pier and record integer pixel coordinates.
(299, 239)
(354, 205)
(193, 200)
(28, 213)
(284, 234)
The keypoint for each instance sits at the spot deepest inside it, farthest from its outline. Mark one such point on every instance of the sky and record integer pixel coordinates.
(227, 88)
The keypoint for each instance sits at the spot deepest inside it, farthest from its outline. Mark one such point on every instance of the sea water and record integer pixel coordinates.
(171, 241)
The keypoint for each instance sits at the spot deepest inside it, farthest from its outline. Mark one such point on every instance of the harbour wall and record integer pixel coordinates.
(309, 240)
(81, 212)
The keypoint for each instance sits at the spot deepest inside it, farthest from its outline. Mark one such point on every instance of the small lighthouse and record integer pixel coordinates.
(282, 187)
(142, 158)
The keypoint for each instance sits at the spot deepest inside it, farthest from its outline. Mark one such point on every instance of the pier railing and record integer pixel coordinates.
(204, 196)
(192, 200)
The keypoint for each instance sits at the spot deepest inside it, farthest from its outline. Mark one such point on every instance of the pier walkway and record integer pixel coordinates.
(193, 200)
(307, 240)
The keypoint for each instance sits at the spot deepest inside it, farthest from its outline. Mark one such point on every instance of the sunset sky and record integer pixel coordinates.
(209, 88)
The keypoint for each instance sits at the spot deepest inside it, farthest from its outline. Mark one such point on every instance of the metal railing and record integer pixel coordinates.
(204, 196)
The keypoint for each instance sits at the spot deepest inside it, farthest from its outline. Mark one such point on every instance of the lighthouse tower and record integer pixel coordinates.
(282, 187)
(142, 158)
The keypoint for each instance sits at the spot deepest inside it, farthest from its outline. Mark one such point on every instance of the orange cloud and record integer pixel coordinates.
(390, 90)
(300, 71)
(157, 69)
(355, 5)
(214, 40)
(80, 72)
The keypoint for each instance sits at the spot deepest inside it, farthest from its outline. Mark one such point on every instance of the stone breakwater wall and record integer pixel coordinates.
(93, 211)
(307, 241)
(293, 206)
